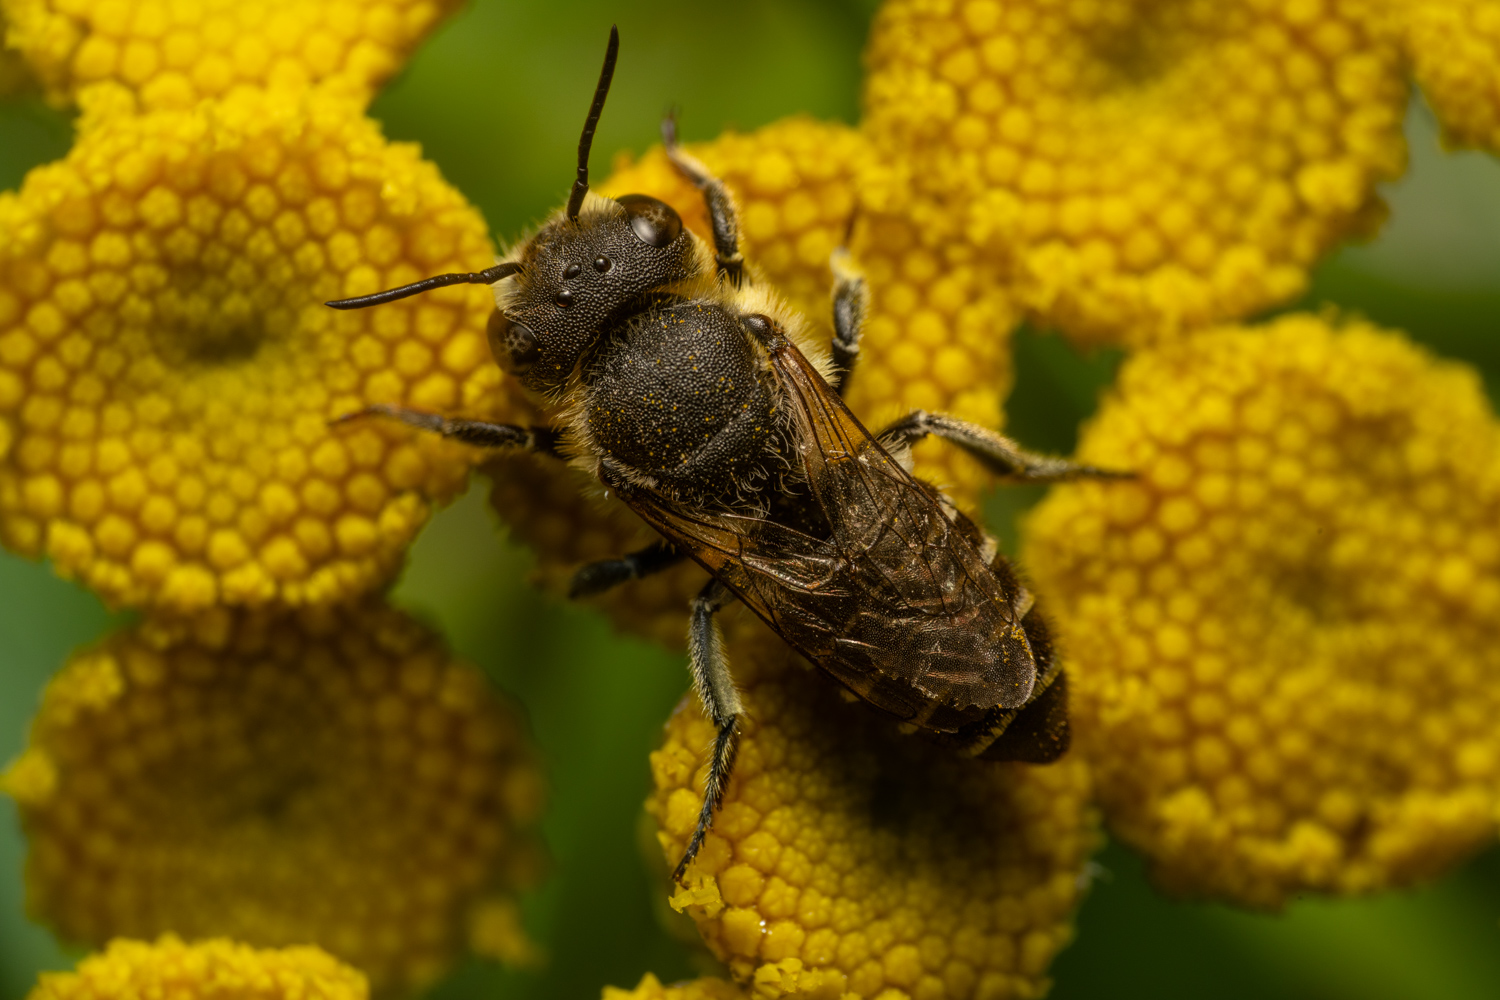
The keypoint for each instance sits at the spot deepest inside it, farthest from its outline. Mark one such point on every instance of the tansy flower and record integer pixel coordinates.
(172, 55)
(1454, 47)
(168, 370)
(935, 339)
(325, 775)
(209, 970)
(1284, 636)
(1144, 168)
(651, 988)
(15, 75)
(852, 859)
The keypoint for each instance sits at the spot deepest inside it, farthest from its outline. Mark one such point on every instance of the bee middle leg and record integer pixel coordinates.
(721, 702)
(606, 574)
(996, 452)
(721, 213)
(543, 440)
(851, 303)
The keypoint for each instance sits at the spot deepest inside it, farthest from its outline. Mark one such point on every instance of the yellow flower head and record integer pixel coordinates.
(651, 988)
(172, 55)
(1144, 167)
(330, 776)
(168, 370)
(1454, 47)
(935, 339)
(1284, 635)
(849, 858)
(209, 970)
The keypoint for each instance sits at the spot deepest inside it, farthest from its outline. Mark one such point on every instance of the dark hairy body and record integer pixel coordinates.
(678, 382)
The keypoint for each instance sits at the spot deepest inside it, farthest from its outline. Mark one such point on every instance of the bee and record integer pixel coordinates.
(680, 382)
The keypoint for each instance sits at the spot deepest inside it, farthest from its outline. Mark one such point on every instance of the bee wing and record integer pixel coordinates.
(883, 589)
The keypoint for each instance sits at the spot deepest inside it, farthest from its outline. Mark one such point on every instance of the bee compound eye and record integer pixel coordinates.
(514, 346)
(655, 223)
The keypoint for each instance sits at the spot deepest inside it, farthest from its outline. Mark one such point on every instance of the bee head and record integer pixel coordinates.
(591, 263)
(577, 276)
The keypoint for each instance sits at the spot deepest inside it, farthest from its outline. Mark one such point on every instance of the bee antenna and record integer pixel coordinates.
(581, 185)
(488, 276)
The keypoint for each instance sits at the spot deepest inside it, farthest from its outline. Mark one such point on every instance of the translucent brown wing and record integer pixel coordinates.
(878, 583)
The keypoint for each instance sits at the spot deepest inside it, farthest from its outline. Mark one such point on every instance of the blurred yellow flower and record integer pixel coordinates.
(1143, 168)
(651, 988)
(15, 75)
(1454, 48)
(851, 859)
(327, 775)
(1284, 636)
(209, 970)
(172, 55)
(168, 370)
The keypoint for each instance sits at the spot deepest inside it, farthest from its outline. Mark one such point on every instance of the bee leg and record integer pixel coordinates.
(543, 440)
(851, 303)
(998, 453)
(716, 196)
(721, 702)
(606, 574)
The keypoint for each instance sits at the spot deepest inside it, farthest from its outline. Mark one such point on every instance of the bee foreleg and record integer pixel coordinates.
(606, 574)
(851, 302)
(721, 702)
(543, 440)
(716, 196)
(998, 453)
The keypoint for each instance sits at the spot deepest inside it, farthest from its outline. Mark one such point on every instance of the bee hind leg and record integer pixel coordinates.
(606, 574)
(996, 452)
(542, 440)
(721, 702)
(716, 196)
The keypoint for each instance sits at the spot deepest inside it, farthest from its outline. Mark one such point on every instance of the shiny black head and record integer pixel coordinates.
(578, 277)
(594, 262)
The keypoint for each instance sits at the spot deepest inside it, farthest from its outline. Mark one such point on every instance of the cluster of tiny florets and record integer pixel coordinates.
(174, 55)
(1454, 48)
(332, 777)
(850, 859)
(207, 970)
(1284, 633)
(168, 370)
(1143, 168)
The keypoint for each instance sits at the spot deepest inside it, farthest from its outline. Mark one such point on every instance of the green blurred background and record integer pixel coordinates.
(496, 97)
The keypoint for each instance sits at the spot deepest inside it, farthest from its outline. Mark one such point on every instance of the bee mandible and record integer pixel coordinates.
(684, 385)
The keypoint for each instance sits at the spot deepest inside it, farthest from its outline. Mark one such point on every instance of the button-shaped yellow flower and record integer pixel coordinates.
(172, 55)
(331, 776)
(651, 988)
(936, 337)
(1144, 167)
(849, 859)
(1454, 47)
(1283, 637)
(209, 970)
(168, 370)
